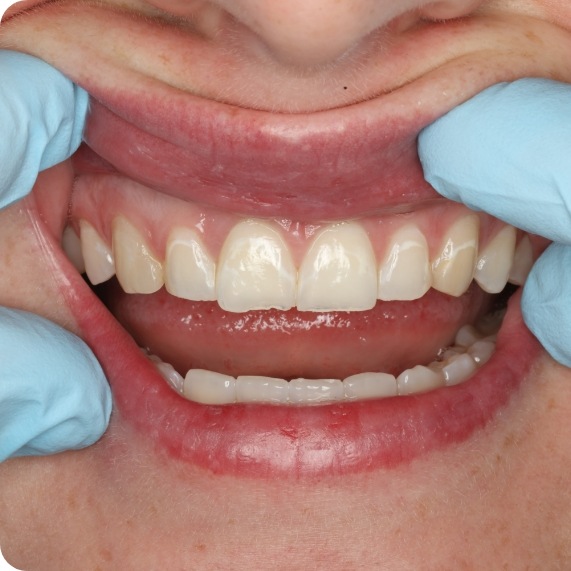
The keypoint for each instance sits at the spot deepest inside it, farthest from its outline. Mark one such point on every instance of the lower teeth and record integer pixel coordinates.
(473, 348)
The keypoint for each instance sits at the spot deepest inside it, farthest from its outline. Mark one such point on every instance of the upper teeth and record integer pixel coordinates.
(339, 270)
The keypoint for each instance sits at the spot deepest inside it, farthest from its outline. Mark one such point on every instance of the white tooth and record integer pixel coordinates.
(523, 261)
(417, 380)
(338, 271)
(467, 335)
(171, 376)
(189, 270)
(303, 391)
(453, 268)
(370, 386)
(495, 261)
(99, 265)
(251, 388)
(452, 352)
(255, 269)
(71, 245)
(481, 351)
(138, 270)
(458, 369)
(405, 272)
(208, 387)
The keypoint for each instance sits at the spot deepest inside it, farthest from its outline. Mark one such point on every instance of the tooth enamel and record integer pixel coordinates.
(208, 387)
(303, 391)
(481, 351)
(98, 258)
(262, 389)
(171, 376)
(138, 270)
(418, 379)
(458, 369)
(523, 261)
(405, 272)
(71, 245)
(467, 335)
(338, 271)
(453, 268)
(370, 385)
(189, 270)
(255, 269)
(495, 261)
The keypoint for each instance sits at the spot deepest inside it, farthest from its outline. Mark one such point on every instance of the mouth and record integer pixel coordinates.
(278, 295)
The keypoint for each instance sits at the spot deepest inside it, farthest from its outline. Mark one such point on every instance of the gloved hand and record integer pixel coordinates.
(507, 152)
(53, 394)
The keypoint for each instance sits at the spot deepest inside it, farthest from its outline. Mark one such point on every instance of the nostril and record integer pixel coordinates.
(449, 9)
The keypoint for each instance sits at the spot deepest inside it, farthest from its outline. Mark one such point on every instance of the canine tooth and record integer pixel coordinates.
(189, 270)
(405, 272)
(71, 245)
(251, 388)
(208, 387)
(138, 270)
(467, 335)
(168, 372)
(495, 261)
(315, 390)
(99, 265)
(481, 351)
(255, 269)
(453, 268)
(339, 271)
(523, 261)
(458, 369)
(417, 380)
(370, 385)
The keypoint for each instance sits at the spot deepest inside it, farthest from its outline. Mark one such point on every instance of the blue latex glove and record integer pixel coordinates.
(507, 152)
(53, 394)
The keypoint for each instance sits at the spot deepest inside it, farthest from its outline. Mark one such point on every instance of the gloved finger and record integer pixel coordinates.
(507, 152)
(42, 115)
(546, 302)
(53, 393)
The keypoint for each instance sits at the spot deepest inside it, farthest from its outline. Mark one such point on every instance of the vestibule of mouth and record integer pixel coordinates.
(354, 313)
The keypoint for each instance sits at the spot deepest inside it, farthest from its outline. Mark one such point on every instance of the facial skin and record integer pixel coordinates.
(498, 499)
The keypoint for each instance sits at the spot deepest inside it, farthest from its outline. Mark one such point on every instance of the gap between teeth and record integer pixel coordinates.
(339, 271)
(472, 349)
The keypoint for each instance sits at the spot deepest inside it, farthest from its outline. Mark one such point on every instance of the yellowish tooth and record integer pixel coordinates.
(190, 272)
(405, 272)
(138, 270)
(71, 245)
(453, 268)
(255, 269)
(339, 271)
(495, 261)
(99, 265)
(523, 262)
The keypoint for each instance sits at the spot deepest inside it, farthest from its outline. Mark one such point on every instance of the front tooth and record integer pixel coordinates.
(71, 245)
(99, 265)
(458, 369)
(338, 271)
(369, 386)
(405, 272)
(250, 388)
(208, 387)
(315, 390)
(189, 270)
(255, 269)
(138, 270)
(453, 268)
(419, 379)
(495, 261)
(523, 261)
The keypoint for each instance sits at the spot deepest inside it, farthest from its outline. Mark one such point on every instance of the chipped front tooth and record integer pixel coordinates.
(522, 263)
(255, 269)
(405, 272)
(338, 271)
(138, 270)
(458, 369)
(418, 379)
(315, 390)
(208, 387)
(189, 270)
(251, 388)
(481, 351)
(370, 385)
(99, 265)
(453, 268)
(71, 245)
(495, 261)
